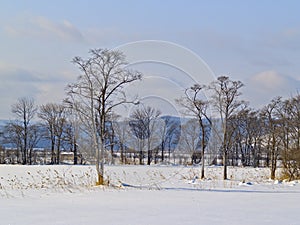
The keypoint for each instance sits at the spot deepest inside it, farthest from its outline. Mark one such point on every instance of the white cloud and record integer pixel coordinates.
(42, 27)
(64, 29)
(269, 80)
(264, 86)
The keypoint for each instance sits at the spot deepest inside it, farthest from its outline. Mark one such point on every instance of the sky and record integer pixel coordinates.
(256, 42)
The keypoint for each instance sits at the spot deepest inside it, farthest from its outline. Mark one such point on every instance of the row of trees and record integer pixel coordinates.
(219, 124)
(24, 133)
(245, 135)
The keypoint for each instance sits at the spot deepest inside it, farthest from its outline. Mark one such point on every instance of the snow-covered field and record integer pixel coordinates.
(144, 195)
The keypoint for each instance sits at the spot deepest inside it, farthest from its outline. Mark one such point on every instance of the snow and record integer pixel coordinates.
(144, 195)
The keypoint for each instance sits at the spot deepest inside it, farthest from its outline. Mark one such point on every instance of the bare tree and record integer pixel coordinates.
(55, 118)
(121, 129)
(225, 101)
(34, 136)
(48, 114)
(247, 137)
(254, 135)
(190, 140)
(272, 126)
(98, 90)
(110, 135)
(195, 105)
(169, 133)
(24, 110)
(72, 135)
(13, 135)
(144, 124)
(289, 117)
(139, 135)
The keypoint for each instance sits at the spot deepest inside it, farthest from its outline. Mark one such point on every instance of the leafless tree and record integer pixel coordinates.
(55, 118)
(169, 133)
(254, 135)
(225, 99)
(215, 142)
(24, 111)
(110, 136)
(122, 129)
(34, 136)
(243, 132)
(195, 105)
(73, 134)
(138, 131)
(144, 124)
(98, 90)
(289, 115)
(272, 126)
(190, 139)
(13, 135)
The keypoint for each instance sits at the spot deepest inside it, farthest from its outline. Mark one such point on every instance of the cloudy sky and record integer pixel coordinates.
(257, 42)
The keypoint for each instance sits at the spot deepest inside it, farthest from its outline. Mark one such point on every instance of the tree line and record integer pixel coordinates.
(221, 127)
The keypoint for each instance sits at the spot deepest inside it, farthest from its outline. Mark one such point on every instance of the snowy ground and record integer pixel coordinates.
(145, 195)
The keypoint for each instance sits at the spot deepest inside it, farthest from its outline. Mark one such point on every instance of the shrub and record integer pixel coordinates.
(291, 164)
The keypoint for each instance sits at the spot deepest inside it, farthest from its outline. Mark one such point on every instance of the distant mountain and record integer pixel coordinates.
(3, 122)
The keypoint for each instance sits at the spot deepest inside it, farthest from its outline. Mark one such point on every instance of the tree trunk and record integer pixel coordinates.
(58, 152)
(25, 139)
(273, 157)
(122, 153)
(149, 150)
(100, 179)
(225, 164)
(100, 168)
(162, 152)
(273, 164)
(52, 151)
(273, 170)
(30, 156)
(75, 152)
(149, 157)
(203, 149)
(141, 155)
(202, 169)
(24, 156)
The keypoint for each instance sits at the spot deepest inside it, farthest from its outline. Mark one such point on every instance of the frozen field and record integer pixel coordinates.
(145, 195)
